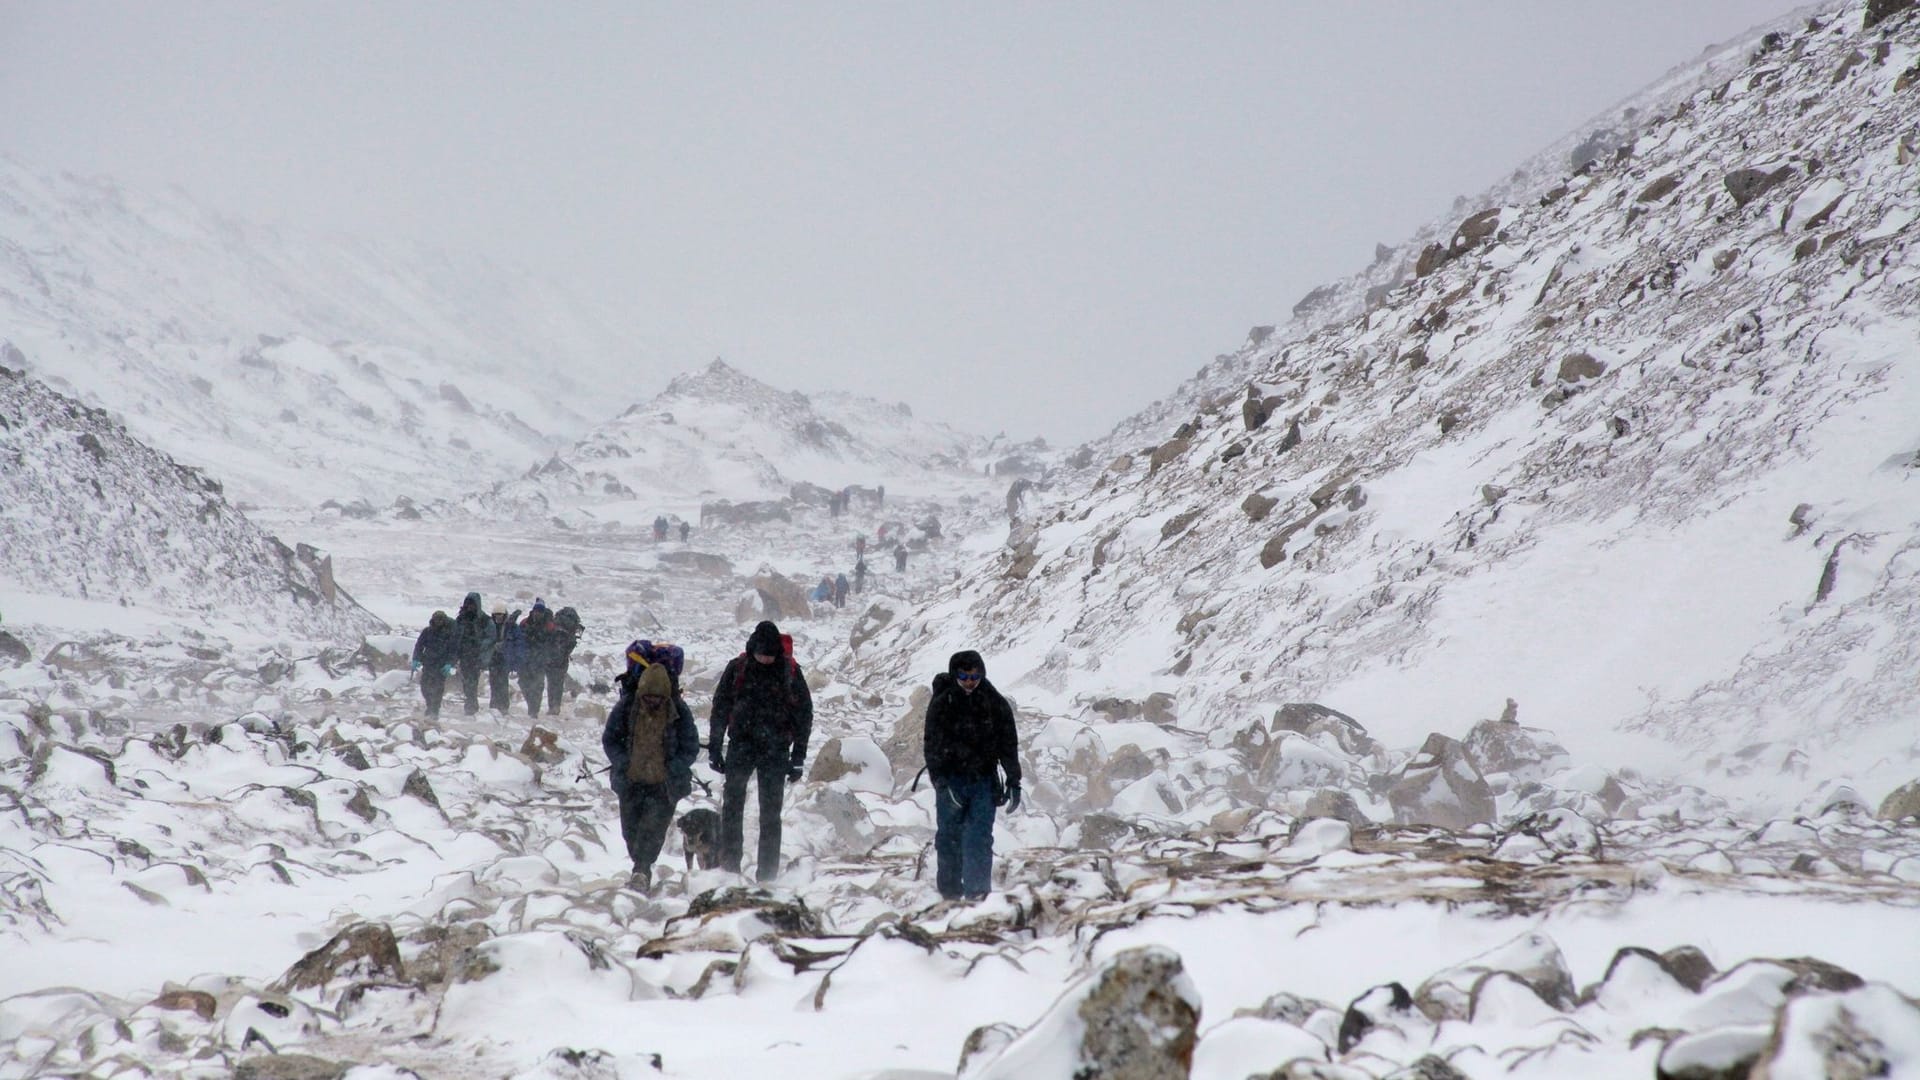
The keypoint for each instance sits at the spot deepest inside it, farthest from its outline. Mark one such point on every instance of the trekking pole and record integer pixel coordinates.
(916, 779)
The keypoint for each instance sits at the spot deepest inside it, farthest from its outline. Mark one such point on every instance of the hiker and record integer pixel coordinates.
(651, 742)
(823, 592)
(840, 590)
(474, 638)
(880, 496)
(860, 546)
(507, 641)
(433, 657)
(544, 641)
(685, 529)
(659, 527)
(762, 718)
(900, 558)
(969, 732)
(860, 576)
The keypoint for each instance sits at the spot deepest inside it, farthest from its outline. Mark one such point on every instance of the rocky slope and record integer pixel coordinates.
(89, 513)
(1638, 452)
(298, 368)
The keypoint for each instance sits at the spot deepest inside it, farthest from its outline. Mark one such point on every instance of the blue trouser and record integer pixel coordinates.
(963, 836)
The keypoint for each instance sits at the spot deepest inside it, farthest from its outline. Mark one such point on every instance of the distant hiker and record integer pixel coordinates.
(659, 527)
(762, 718)
(969, 732)
(685, 529)
(507, 640)
(860, 576)
(651, 742)
(900, 558)
(833, 504)
(880, 495)
(548, 648)
(840, 590)
(474, 637)
(823, 592)
(433, 658)
(860, 545)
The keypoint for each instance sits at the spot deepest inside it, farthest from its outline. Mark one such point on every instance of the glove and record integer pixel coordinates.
(716, 762)
(793, 774)
(447, 669)
(416, 665)
(1013, 797)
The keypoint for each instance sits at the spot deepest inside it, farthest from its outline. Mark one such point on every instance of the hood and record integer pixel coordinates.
(654, 680)
(968, 660)
(471, 605)
(765, 639)
(440, 618)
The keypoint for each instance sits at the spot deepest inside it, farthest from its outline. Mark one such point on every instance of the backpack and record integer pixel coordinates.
(569, 620)
(648, 653)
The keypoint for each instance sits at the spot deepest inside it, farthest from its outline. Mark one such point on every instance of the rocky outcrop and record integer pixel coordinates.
(1902, 803)
(1137, 1018)
(1441, 786)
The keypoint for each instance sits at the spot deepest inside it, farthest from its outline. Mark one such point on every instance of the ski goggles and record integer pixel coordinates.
(969, 676)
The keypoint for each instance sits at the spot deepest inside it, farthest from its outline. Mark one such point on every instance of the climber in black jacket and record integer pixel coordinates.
(969, 734)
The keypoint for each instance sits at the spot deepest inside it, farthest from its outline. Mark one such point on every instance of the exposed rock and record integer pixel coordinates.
(1337, 804)
(1313, 719)
(418, 786)
(1474, 231)
(1578, 367)
(1746, 185)
(828, 765)
(1170, 451)
(361, 952)
(904, 748)
(181, 1000)
(781, 597)
(1388, 1005)
(788, 917)
(1141, 1019)
(1258, 506)
(1441, 786)
(291, 1066)
(1871, 1031)
(13, 650)
(876, 618)
(1428, 1067)
(1689, 965)
(543, 747)
(983, 1044)
(1432, 257)
(1659, 189)
(1879, 11)
(1534, 959)
(1901, 803)
(1505, 747)
(1725, 1053)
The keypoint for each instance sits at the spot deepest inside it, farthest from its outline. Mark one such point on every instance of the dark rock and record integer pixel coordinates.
(1689, 965)
(1258, 506)
(1578, 367)
(1492, 493)
(1866, 1032)
(1474, 231)
(1503, 746)
(1746, 185)
(1441, 786)
(1726, 1053)
(1102, 831)
(1141, 1019)
(362, 952)
(1258, 336)
(13, 650)
(362, 807)
(1286, 1008)
(352, 757)
(543, 747)
(1312, 719)
(985, 1043)
(1336, 804)
(1806, 248)
(417, 786)
(1166, 453)
(1315, 299)
(1432, 257)
(1659, 189)
(787, 917)
(1389, 1004)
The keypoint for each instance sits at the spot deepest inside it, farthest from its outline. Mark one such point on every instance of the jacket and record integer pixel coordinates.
(968, 734)
(682, 747)
(765, 710)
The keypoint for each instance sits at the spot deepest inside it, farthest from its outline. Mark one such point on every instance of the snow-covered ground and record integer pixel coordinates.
(1527, 730)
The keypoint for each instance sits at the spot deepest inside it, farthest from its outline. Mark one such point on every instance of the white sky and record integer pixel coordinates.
(1030, 217)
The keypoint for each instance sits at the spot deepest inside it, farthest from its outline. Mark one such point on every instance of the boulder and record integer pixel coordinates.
(1385, 1006)
(13, 650)
(1870, 1031)
(1334, 803)
(1659, 189)
(781, 597)
(1312, 719)
(1901, 803)
(1166, 453)
(362, 952)
(1440, 785)
(1534, 959)
(854, 761)
(1257, 506)
(1138, 1018)
(290, 1066)
(1879, 11)
(542, 746)
(876, 618)
(1578, 367)
(1746, 185)
(905, 748)
(1503, 746)
(1722, 1053)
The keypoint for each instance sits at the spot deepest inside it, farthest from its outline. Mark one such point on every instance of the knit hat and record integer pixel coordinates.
(765, 640)
(499, 608)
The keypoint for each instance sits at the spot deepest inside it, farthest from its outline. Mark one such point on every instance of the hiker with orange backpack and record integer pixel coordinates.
(761, 720)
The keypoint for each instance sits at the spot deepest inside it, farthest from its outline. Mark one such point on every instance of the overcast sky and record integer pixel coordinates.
(1035, 217)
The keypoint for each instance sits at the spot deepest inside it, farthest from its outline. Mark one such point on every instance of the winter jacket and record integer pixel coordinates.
(764, 710)
(473, 633)
(548, 644)
(435, 645)
(513, 645)
(682, 744)
(969, 733)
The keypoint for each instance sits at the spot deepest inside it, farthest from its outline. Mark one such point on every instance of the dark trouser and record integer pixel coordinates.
(733, 815)
(433, 686)
(556, 682)
(533, 681)
(645, 812)
(499, 688)
(470, 684)
(963, 836)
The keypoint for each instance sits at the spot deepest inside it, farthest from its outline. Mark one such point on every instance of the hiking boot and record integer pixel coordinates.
(641, 880)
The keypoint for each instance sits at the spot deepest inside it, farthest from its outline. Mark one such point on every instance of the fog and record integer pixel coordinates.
(1031, 218)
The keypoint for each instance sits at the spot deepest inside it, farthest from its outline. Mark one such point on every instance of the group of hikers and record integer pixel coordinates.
(833, 588)
(538, 648)
(757, 731)
(661, 525)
